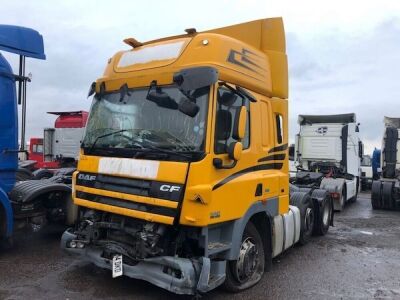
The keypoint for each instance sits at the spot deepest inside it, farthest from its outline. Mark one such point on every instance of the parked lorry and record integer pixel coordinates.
(385, 192)
(183, 176)
(30, 203)
(59, 146)
(366, 172)
(330, 144)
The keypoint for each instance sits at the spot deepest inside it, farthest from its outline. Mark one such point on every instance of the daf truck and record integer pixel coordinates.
(385, 191)
(330, 144)
(183, 177)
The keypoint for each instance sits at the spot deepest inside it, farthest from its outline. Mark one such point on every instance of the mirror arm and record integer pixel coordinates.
(217, 162)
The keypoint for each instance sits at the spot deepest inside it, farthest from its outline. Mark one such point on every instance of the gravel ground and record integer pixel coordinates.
(359, 258)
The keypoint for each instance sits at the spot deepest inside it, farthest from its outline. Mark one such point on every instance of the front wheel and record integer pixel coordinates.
(248, 269)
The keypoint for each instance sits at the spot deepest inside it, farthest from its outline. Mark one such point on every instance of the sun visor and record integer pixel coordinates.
(151, 55)
(22, 41)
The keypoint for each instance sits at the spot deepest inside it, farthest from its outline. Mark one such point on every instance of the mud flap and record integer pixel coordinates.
(334, 185)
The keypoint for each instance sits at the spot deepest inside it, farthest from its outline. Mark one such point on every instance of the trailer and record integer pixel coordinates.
(330, 145)
(385, 192)
(32, 203)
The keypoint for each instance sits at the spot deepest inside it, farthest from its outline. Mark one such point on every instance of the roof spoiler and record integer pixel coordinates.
(267, 35)
(22, 41)
(341, 119)
(391, 122)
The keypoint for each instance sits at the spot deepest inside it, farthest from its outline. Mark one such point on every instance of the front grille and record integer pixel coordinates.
(140, 196)
(158, 210)
(132, 186)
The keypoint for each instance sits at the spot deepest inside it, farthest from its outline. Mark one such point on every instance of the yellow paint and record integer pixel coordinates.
(133, 198)
(263, 43)
(126, 212)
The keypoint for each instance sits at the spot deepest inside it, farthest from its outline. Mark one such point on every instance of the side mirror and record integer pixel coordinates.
(188, 107)
(162, 99)
(239, 126)
(235, 150)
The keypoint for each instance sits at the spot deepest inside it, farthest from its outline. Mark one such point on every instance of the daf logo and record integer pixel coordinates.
(87, 177)
(169, 188)
(322, 130)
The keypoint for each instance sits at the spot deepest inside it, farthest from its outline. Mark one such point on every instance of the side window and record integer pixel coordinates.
(228, 107)
(279, 128)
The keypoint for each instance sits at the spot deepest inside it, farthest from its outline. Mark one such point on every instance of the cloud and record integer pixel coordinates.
(340, 60)
(340, 73)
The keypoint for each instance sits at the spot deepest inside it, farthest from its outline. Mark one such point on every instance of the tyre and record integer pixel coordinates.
(42, 174)
(376, 194)
(387, 195)
(343, 198)
(306, 207)
(323, 213)
(248, 269)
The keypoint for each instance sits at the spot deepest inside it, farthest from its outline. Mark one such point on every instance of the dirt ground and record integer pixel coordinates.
(359, 258)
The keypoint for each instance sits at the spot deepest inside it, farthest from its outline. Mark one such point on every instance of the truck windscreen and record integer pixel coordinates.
(134, 126)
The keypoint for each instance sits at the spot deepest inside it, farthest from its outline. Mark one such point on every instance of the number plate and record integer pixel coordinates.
(117, 266)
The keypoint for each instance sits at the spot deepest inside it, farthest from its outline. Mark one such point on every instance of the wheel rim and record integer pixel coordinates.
(248, 260)
(309, 219)
(326, 214)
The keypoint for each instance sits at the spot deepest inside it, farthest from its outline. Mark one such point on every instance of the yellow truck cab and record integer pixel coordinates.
(183, 176)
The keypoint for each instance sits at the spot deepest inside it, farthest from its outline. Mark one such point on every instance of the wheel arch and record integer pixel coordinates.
(261, 215)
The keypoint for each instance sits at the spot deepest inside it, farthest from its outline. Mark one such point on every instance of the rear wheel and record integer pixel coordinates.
(324, 213)
(376, 194)
(248, 269)
(306, 207)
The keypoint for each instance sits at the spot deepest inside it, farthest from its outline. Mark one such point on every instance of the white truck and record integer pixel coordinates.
(385, 192)
(330, 145)
(366, 172)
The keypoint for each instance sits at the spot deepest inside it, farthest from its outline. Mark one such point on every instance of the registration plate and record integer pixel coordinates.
(117, 266)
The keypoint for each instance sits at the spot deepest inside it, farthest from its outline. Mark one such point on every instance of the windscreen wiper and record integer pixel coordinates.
(147, 148)
(104, 135)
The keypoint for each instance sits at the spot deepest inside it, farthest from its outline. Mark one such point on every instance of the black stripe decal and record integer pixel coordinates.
(278, 148)
(272, 157)
(165, 211)
(270, 166)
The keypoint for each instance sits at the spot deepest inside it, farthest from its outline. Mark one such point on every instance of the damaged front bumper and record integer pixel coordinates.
(175, 274)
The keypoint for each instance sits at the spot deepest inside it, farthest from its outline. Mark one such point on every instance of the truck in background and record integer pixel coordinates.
(330, 144)
(60, 145)
(366, 172)
(385, 192)
(33, 203)
(183, 177)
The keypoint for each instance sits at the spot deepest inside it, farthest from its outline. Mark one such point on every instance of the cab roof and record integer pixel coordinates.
(250, 54)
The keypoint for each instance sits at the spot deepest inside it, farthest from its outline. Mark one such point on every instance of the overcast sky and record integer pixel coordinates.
(344, 56)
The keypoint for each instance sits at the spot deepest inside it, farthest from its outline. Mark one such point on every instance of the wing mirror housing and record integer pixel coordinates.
(188, 107)
(234, 153)
(239, 126)
(162, 99)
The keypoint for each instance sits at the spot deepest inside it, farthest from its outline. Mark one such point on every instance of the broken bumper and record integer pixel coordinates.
(195, 275)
